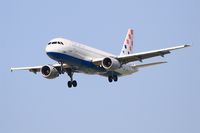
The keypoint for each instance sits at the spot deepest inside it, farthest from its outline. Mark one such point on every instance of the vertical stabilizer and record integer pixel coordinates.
(128, 43)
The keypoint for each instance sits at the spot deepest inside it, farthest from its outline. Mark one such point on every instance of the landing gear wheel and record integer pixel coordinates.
(115, 78)
(110, 79)
(74, 83)
(69, 84)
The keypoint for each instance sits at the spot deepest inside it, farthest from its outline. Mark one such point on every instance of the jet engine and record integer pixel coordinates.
(110, 63)
(49, 72)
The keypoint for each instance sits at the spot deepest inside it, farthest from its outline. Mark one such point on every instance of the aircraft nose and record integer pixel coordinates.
(51, 51)
(48, 49)
(52, 48)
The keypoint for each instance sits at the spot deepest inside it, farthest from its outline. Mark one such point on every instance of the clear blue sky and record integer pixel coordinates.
(160, 99)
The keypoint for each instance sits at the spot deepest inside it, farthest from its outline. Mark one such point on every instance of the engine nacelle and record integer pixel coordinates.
(49, 72)
(110, 63)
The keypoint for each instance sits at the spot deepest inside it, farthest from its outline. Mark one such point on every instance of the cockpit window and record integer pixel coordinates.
(55, 43)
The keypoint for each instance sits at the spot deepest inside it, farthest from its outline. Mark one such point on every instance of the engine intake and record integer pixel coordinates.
(49, 72)
(110, 63)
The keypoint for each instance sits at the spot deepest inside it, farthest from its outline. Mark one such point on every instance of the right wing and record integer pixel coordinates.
(36, 69)
(33, 69)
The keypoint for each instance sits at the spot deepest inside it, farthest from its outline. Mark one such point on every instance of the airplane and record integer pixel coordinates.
(73, 57)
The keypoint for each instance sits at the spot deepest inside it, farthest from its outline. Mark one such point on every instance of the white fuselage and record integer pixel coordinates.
(80, 56)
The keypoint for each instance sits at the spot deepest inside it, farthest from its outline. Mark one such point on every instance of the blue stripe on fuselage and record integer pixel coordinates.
(83, 65)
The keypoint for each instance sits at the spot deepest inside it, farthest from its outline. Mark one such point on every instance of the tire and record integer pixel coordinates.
(74, 83)
(69, 84)
(110, 79)
(115, 78)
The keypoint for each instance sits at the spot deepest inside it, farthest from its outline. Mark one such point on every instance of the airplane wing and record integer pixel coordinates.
(33, 69)
(36, 69)
(144, 55)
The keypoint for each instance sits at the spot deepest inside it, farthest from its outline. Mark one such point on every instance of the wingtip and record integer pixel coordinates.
(187, 45)
(164, 62)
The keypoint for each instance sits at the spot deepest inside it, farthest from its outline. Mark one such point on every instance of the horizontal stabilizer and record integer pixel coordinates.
(148, 64)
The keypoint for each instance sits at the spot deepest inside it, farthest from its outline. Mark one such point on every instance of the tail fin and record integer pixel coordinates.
(128, 43)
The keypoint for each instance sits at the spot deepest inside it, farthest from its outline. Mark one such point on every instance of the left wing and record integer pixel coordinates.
(144, 55)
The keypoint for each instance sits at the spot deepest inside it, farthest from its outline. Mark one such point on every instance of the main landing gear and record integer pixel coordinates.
(71, 82)
(112, 78)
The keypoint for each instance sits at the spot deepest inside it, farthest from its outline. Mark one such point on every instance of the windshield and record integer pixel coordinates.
(55, 43)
